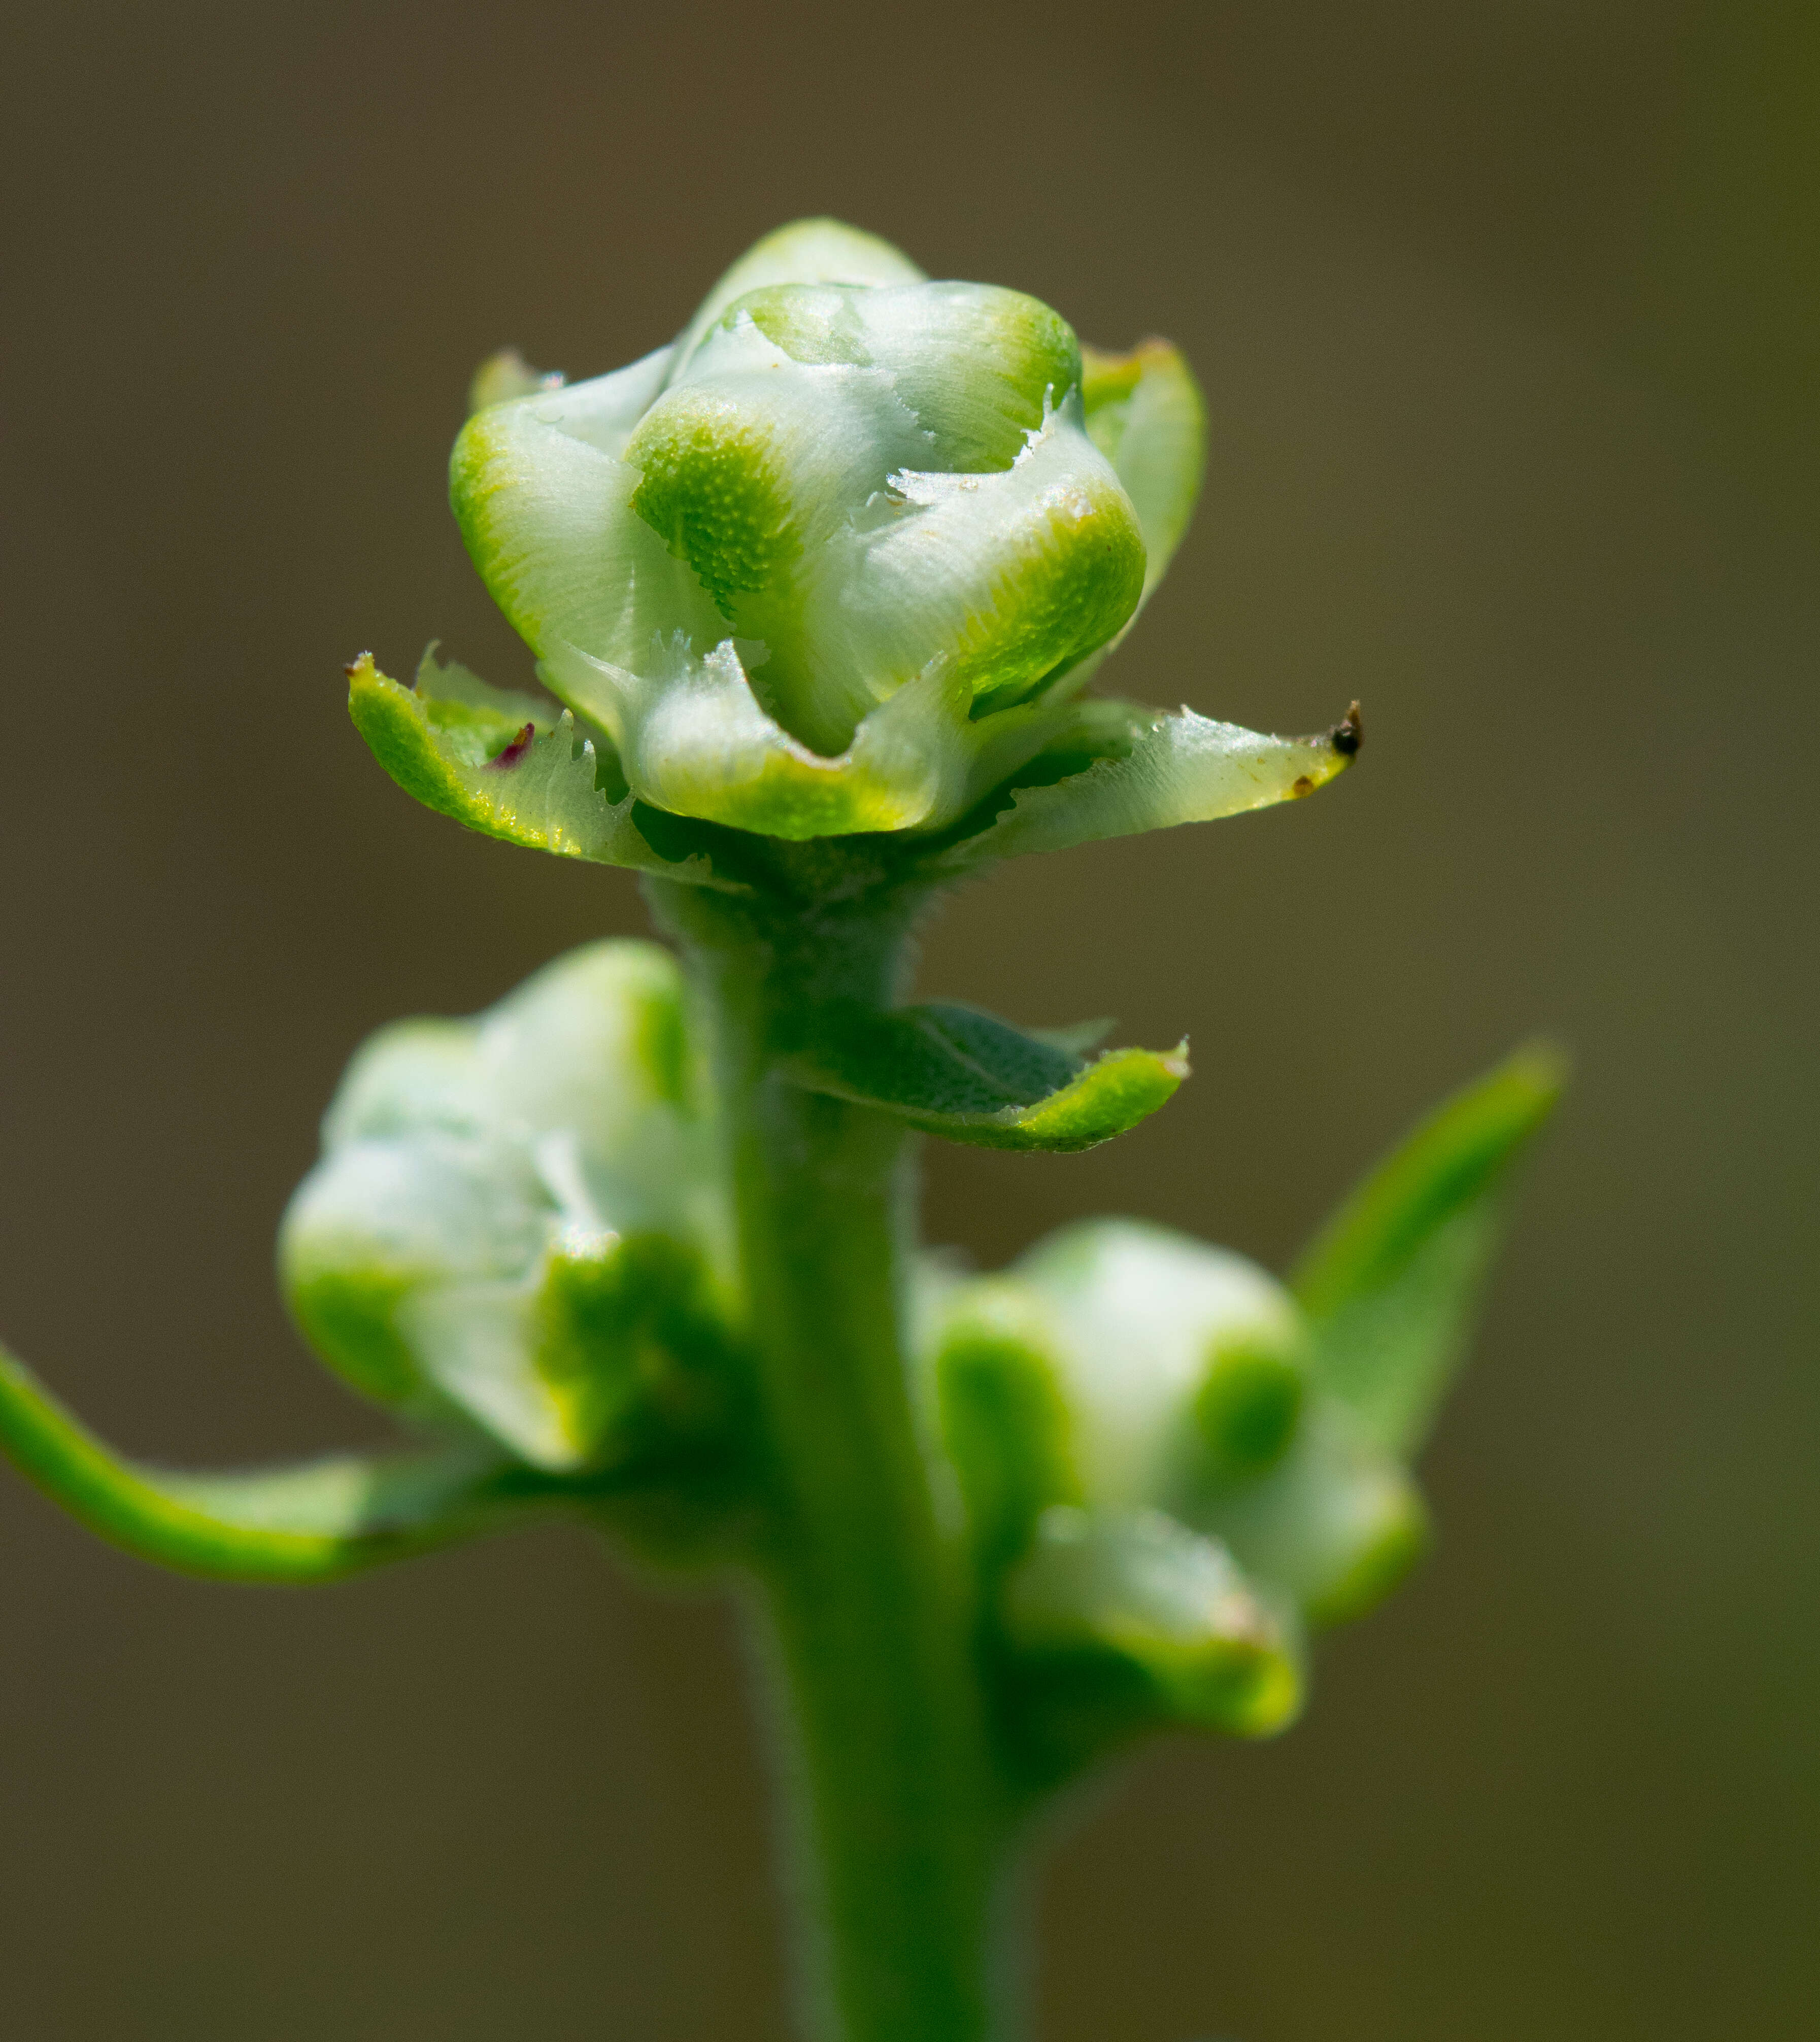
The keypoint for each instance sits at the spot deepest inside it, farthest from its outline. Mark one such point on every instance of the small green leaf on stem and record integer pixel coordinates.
(952, 1071)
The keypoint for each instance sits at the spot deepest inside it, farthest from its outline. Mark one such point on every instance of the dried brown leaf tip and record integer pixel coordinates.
(1348, 734)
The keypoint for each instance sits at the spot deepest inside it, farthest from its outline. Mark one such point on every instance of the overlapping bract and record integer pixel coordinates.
(840, 559)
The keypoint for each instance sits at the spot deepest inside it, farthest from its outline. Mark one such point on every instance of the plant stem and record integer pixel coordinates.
(893, 1814)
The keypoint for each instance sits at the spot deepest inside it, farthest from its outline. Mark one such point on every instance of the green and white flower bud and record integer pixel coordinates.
(1119, 1367)
(514, 1217)
(803, 567)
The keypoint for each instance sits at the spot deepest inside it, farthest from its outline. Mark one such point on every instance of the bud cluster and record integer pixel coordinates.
(1170, 1467)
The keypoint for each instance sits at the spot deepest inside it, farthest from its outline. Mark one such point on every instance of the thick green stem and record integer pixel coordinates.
(895, 1819)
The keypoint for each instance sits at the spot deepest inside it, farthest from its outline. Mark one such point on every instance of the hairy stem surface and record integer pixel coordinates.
(894, 1819)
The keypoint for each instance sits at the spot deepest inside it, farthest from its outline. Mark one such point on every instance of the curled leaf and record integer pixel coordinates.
(309, 1522)
(970, 1077)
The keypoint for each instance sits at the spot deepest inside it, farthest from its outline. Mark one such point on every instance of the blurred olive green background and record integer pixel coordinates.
(1507, 313)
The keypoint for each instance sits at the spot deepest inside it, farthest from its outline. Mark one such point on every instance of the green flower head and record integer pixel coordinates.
(838, 559)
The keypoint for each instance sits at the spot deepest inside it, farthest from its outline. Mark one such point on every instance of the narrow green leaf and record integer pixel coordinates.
(311, 1523)
(504, 764)
(970, 1077)
(1390, 1283)
(1152, 775)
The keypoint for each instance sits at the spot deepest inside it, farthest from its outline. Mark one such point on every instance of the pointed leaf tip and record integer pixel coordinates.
(1391, 1282)
(1147, 772)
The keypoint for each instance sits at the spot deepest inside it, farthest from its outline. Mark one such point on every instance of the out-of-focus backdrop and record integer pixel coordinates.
(1507, 314)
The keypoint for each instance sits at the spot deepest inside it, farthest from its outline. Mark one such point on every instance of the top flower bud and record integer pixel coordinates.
(835, 560)
(820, 463)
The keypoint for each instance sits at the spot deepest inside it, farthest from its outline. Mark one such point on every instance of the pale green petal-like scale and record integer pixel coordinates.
(505, 376)
(978, 367)
(459, 747)
(701, 743)
(1145, 414)
(1137, 1586)
(751, 466)
(1138, 1313)
(1176, 769)
(1014, 575)
(479, 1345)
(544, 502)
(807, 251)
(1334, 1528)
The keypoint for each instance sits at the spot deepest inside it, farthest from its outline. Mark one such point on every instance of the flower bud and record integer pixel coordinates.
(868, 482)
(514, 1220)
(1120, 1368)
(837, 559)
